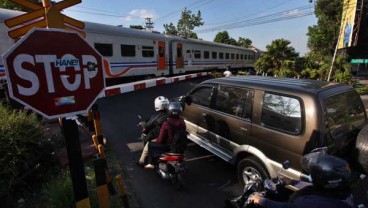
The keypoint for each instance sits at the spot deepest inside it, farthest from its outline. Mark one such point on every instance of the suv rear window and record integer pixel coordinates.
(345, 112)
(282, 113)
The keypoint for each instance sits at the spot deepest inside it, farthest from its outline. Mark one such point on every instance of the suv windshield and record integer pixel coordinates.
(345, 112)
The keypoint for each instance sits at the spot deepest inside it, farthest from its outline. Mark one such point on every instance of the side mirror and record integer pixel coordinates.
(286, 164)
(185, 99)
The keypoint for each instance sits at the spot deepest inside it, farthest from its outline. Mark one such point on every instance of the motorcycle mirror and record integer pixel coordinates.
(286, 164)
(139, 117)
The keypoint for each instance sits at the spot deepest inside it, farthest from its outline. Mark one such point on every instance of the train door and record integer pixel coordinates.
(161, 59)
(179, 56)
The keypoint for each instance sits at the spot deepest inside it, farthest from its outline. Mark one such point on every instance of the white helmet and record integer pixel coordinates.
(161, 103)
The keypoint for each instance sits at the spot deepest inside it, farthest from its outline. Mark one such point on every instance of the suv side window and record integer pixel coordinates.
(282, 113)
(234, 101)
(202, 96)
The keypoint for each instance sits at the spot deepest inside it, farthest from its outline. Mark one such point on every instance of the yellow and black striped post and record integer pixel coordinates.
(121, 187)
(97, 124)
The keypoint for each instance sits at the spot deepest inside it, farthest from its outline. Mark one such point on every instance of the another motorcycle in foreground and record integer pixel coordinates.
(169, 166)
(269, 188)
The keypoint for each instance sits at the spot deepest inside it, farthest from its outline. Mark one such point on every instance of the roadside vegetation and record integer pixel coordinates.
(30, 175)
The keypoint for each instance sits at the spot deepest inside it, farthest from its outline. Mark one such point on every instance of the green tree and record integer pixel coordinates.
(170, 29)
(222, 37)
(323, 36)
(188, 22)
(322, 40)
(279, 59)
(244, 42)
(185, 26)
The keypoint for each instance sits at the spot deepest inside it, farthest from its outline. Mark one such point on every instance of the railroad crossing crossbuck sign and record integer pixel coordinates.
(54, 72)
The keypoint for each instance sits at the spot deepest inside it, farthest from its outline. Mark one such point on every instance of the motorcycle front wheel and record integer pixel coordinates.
(251, 168)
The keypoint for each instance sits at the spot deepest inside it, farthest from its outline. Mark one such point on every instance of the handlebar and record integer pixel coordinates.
(305, 178)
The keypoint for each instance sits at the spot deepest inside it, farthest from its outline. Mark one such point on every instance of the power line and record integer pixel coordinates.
(250, 14)
(263, 19)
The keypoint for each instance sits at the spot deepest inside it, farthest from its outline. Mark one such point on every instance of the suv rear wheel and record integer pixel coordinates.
(250, 168)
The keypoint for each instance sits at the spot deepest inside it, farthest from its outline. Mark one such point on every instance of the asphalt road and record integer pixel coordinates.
(208, 180)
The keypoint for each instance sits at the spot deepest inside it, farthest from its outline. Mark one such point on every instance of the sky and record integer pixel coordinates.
(262, 21)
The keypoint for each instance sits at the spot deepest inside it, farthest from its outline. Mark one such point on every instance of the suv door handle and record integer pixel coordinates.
(243, 129)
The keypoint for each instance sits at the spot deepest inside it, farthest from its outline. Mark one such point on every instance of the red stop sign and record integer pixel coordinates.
(54, 72)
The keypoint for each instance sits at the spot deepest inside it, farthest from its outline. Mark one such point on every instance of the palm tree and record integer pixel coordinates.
(277, 57)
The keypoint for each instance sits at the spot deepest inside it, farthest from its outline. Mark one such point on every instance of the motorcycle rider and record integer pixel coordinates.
(152, 127)
(162, 143)
(330, 177)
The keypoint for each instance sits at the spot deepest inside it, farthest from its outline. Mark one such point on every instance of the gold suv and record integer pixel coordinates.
(259, 122)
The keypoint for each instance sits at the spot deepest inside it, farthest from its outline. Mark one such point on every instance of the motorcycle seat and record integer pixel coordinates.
(173, 154)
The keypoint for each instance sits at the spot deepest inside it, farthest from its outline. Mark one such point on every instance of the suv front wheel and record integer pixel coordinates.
(251, 168)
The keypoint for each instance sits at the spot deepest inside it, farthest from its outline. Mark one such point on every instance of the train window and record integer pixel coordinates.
(197, 54)
(227, 55)
(241, 57)
(188, 51)
(232, 56)
(214, 55)
(104, 49)
(127, 50)
(147, 51)
(237, 56)
(206, 55)
(221, 55)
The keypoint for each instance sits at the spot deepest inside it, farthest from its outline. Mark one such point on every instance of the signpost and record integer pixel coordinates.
(57, 74)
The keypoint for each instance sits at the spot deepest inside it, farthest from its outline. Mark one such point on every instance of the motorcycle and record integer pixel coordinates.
(273, 189)
(169, 166)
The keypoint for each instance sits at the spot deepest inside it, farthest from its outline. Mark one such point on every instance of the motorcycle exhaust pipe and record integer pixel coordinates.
(163, 174)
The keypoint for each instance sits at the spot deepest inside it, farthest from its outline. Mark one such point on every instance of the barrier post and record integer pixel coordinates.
(121, 187)
(97, 124)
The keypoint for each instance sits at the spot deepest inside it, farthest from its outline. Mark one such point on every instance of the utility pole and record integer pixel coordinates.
(149, 23)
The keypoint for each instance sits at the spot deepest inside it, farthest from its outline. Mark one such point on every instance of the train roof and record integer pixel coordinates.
(7, 13)
(119, 30)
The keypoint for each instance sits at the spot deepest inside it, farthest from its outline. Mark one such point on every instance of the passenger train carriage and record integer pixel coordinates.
(137, 53)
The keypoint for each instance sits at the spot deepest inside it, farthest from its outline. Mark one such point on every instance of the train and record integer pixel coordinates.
(140, 54)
